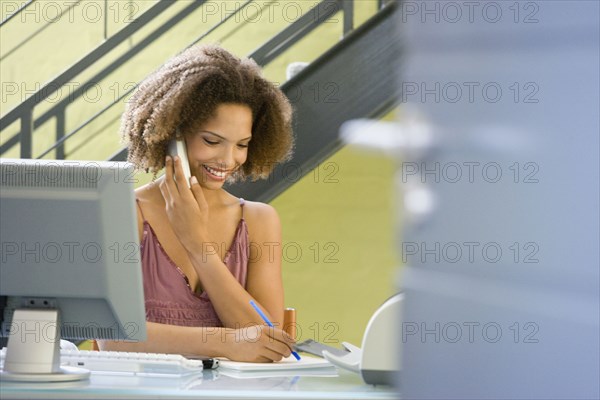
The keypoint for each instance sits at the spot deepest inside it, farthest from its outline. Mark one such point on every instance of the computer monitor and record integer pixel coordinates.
(70, 261)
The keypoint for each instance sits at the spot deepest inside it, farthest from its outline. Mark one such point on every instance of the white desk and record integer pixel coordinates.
(211, 384)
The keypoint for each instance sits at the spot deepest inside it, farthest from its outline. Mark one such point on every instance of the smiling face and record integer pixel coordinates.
(218, 147)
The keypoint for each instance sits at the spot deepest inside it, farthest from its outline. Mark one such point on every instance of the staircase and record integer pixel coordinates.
(353, 79)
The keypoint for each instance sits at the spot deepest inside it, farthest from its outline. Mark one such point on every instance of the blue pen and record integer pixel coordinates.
(264, 317)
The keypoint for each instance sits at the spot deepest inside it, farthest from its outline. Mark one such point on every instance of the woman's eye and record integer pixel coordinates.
(210, 142)
(243, 146)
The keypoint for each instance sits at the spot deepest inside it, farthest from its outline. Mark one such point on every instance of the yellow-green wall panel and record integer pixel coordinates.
(347, 208)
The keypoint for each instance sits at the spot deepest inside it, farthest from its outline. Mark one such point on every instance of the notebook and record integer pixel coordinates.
(288, 364)
(307, 366)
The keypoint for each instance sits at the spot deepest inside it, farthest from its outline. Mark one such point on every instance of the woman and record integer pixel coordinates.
(206, 253)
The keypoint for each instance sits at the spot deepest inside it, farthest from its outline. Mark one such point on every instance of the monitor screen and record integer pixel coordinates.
(68, 245)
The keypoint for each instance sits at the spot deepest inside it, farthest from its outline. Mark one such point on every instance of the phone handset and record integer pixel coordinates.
(178, 148)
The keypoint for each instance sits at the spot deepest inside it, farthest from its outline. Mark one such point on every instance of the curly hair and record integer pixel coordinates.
(186, 92)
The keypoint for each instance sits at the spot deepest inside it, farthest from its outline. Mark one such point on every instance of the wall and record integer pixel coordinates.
(338, 225)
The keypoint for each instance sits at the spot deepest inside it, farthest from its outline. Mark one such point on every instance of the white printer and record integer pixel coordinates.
(378, 361)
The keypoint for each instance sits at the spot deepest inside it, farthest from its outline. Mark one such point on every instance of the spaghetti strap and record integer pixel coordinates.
(137, 201)
(242, 203)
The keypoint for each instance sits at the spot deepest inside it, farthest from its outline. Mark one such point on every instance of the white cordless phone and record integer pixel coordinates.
(178, 148)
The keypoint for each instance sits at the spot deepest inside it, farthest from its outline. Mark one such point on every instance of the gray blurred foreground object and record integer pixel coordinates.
(501, 277)
(497, 173)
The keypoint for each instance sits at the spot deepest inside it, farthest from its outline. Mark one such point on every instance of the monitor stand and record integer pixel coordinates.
(33, 350)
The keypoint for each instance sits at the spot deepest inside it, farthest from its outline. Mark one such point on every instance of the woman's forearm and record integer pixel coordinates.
(253, 344)
(174, 339)
(230, 300)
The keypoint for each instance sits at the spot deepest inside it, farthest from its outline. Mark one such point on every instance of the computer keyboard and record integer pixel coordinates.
(125, 363)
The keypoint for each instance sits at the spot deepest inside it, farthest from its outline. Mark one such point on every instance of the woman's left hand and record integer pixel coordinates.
(187, 209)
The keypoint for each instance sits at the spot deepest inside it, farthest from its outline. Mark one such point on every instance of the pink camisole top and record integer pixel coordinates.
(168, 295)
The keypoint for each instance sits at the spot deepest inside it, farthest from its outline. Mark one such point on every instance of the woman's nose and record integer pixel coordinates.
(229, 158)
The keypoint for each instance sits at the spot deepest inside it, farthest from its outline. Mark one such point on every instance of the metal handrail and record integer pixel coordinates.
(27, 4)
(34, 34)
(262, 56)
(301, 27)
(23, 7)
(367, 48)
(284, 39)
(127, 93)
(24, 111)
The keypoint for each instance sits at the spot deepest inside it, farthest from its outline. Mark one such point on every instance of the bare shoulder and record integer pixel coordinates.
(257, 210)
(148, 193)
(261, 218)
(149, 203)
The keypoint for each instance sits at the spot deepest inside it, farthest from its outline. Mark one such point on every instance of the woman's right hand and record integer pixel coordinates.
(258, 343)
(186, 209)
